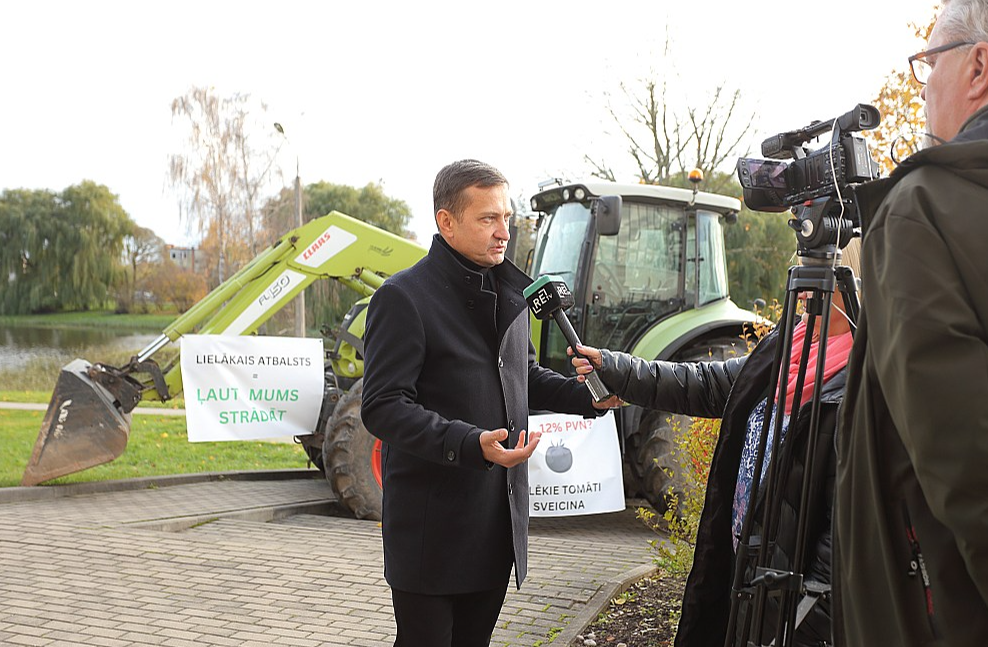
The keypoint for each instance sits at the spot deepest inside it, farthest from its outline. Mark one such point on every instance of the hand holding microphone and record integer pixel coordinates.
(548, 297)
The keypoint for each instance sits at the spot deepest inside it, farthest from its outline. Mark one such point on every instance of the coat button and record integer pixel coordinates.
(510, 490)
(470, 304)
(451, 456)
(511, 425)
(500, 362)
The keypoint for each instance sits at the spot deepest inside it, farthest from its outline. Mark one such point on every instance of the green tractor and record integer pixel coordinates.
(648, 278)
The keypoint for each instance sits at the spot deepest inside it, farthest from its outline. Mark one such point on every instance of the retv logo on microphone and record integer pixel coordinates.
(539, 300)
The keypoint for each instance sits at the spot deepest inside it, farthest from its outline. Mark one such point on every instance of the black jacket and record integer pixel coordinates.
(730, 390)
(447, 358)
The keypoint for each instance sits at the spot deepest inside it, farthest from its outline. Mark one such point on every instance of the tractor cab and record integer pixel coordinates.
(659, 254)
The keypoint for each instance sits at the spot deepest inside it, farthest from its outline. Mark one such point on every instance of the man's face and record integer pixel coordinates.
(480, 234)
(947, 106)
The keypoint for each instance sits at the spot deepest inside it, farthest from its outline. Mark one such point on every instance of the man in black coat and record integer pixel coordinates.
(449, 376)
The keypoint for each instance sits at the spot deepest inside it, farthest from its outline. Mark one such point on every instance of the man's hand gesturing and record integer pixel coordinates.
(494, 451)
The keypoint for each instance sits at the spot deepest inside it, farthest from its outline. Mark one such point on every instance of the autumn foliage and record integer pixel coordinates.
(900, 133)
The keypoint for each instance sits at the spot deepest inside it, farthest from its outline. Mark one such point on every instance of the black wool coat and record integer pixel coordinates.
(446, 358)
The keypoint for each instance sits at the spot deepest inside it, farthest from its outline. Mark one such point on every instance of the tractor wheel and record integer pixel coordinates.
(352, 457)
(653, 468)
(653, 455)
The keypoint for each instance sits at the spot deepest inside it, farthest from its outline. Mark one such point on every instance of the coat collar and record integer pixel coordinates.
(966, 149)
(469, 279)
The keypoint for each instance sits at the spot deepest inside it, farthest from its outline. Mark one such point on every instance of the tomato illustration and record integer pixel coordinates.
(559, 458)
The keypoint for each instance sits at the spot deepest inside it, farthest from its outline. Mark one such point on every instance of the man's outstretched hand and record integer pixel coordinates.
(494, 451)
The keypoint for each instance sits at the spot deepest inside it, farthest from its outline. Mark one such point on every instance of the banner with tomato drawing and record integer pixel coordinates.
(576, 469)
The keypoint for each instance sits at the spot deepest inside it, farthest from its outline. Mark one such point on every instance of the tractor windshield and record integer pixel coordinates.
(561, 241)
(637, 275)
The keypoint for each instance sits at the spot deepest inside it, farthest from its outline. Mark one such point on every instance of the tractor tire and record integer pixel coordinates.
(654, 462)
(653, 470)
(352, 457)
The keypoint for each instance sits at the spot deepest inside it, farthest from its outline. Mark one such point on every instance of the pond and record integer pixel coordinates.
(24, 345)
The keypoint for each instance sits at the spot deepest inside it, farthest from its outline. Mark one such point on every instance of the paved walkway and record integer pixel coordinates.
(253, 563)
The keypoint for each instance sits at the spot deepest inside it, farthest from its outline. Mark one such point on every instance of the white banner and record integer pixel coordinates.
(246, 388)
(576, 469)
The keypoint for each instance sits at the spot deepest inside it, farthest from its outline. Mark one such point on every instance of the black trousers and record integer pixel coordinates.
(463, 620)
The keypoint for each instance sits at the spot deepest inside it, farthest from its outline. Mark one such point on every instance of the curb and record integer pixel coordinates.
(22, 494)
(598, 602)
(328, 507)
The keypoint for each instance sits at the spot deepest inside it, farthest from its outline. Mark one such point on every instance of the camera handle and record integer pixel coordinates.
(820, 279)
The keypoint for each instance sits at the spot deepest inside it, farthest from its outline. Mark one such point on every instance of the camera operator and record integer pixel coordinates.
(911, 512)
(736, 390)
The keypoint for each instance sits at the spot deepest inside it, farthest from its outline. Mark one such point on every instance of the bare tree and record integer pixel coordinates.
(654, 148)
(222, 172)
(665, 140)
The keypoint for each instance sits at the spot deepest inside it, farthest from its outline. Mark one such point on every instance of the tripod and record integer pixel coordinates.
(756, 584)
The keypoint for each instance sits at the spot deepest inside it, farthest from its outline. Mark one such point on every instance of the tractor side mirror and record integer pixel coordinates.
(607, 212)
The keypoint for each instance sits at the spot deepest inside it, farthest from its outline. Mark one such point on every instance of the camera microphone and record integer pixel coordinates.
(549, 297)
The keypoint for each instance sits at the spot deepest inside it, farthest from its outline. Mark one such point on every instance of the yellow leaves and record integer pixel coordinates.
(903, 119)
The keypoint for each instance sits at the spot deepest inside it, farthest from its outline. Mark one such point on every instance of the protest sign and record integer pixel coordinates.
(576, 469)
(248, 387)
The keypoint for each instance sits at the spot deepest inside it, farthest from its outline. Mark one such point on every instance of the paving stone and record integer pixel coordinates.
(133, 568)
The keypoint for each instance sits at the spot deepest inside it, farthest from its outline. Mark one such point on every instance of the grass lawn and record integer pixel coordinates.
(102, 318)
(29, 397)
(158, 446)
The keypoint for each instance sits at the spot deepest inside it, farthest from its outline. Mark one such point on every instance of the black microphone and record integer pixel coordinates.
(549, 297)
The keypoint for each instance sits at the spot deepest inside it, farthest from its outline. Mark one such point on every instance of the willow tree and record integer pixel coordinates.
(60, 251)
(222, 173)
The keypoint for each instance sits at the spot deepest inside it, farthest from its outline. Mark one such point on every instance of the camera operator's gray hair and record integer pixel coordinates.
(964, 19)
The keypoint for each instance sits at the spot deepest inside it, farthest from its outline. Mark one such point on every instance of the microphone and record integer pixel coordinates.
(549, 297)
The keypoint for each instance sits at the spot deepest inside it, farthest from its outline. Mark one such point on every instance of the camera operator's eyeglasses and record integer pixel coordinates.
(921, 66)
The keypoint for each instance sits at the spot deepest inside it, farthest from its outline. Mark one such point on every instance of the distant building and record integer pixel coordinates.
(185, 257)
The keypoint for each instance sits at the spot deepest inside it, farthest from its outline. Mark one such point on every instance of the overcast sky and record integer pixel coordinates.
(391, 91)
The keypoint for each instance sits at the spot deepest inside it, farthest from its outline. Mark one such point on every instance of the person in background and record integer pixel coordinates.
(736, 390)
(911, 517)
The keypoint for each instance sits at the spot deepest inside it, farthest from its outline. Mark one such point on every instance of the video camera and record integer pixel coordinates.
(815, 185)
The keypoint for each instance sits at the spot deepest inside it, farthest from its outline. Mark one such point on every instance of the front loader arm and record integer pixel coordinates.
(335, 246)
(88, 421)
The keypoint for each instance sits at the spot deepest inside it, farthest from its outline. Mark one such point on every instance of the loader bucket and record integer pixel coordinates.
(84, 426)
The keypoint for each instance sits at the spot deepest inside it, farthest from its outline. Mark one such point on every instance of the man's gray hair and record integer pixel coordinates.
(455, 178)
(964, 20)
